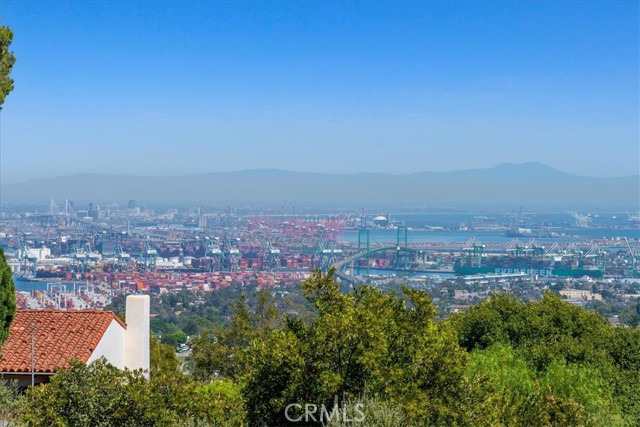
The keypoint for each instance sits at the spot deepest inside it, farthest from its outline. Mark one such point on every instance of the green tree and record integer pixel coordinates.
(362, 343)
(551, 331)
(513, 394)
(100, 395)
(163, 360)
(7, 298)
(11, 405)
(222, 352)
(220, 403)
(96, 395)
(623, 347)
(7, 59)
(191, 328)
(373, 411)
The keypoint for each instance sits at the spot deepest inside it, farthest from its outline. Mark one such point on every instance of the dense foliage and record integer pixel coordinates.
(7, 298)
(184, 314)
(11, 405)
(550, 332)
(365, 358)
(101, 395)
(7, 59)
(362, 342)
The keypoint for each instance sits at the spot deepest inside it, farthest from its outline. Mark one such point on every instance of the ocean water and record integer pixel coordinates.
(423, 236)
(453, 220)
(604, 225)
(25, 286)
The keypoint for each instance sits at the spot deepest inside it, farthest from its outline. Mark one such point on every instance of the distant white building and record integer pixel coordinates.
(37, 253)
(580, 295)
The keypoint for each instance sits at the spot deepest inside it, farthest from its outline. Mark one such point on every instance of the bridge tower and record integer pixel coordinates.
(53, 208)
(402, 248)
(68, 212)
(364, 244)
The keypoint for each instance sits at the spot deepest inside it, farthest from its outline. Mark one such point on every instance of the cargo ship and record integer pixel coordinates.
(528, 265)
(51, 274)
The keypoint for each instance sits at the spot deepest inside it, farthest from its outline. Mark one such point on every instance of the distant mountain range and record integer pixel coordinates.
(506, 185)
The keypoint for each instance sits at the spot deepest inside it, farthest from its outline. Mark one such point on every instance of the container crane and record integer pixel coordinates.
(232, 254)
(580, 220)
(270, 255)
(327, 254)
(474, 249)
(149, 256)
(213, 253)
(634, 255)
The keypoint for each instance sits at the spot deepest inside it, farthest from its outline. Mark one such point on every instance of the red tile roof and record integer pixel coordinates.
(60, 336)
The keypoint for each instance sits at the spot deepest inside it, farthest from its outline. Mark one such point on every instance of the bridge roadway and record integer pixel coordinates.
(74, 222)
(339, 266)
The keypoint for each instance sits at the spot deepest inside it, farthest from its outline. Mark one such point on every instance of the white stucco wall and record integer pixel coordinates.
(136, 355)
(127, 347)
(111, 346)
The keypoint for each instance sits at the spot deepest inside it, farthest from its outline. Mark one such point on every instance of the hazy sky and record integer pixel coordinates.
(334, 86)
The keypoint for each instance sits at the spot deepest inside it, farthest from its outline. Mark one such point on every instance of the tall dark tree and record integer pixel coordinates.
(7, 59)
(7, 298)
(7, 289)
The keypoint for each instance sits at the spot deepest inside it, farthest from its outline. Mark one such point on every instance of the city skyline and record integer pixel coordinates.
(188, 88)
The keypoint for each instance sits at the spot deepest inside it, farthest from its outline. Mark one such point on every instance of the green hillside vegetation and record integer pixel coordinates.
(7, 299)
(384, 356)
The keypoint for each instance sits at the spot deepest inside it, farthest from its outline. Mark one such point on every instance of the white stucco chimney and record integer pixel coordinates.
(136, 347)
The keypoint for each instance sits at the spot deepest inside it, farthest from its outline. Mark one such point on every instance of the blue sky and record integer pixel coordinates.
(164, 88)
